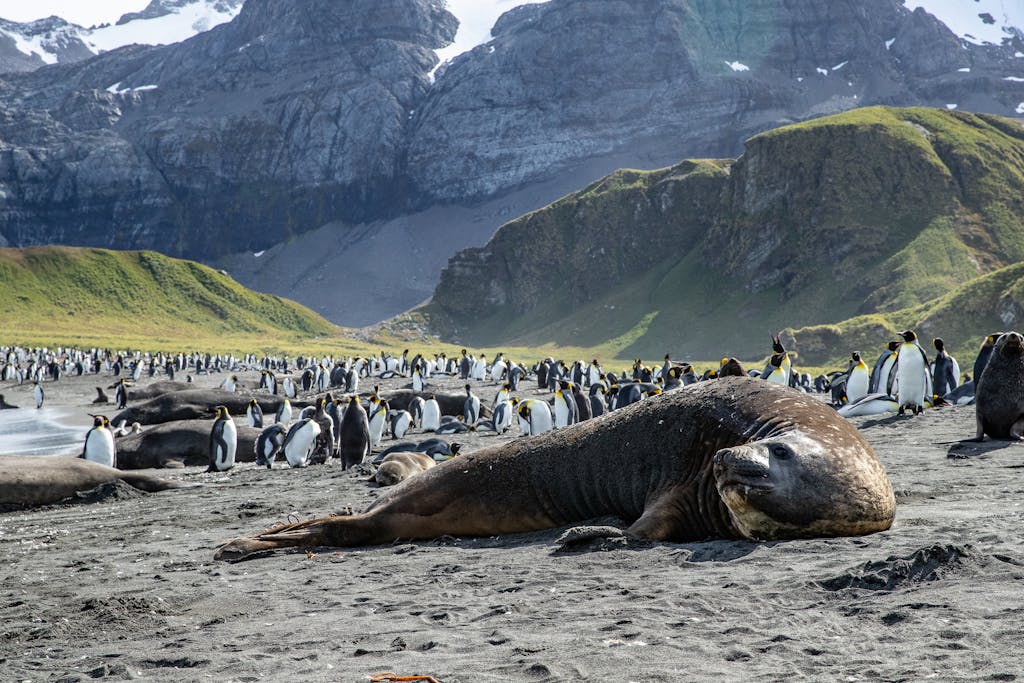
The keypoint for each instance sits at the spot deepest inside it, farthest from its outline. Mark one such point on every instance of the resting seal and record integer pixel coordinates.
(999, 396)
(401, 465)
(26, 481)
(735, 458)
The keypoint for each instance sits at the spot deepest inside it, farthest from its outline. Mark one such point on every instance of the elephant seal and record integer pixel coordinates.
(399, 466)
(179, 443)
(999, 394)
(26, 481)
(194, 404)
(735, 458)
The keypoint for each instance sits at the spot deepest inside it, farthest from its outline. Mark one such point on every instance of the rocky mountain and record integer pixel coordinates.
(28, 46)
(873, 211)
(310, 147)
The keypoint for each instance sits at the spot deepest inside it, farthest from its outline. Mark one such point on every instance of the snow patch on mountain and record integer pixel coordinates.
(977, 21)
(476, 18)
(162, 22)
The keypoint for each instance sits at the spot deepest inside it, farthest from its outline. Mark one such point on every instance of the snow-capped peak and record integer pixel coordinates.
(977, 21)
(52, 40)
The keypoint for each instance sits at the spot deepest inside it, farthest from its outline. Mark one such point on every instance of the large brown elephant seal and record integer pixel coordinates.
(735, 458)
(26, 481)
(999, 393)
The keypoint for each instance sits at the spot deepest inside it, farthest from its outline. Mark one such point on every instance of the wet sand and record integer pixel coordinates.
(125, 587)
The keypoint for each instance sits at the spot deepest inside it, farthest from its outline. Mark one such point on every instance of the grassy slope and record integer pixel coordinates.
(85, 296)
(906, 205)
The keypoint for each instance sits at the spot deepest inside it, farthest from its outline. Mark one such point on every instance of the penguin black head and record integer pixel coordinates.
(893, 345)
(777, 346)
(455, 448)
(353, 400)
(939, 344)
(908, 336)
(855, 356)
(97, 420)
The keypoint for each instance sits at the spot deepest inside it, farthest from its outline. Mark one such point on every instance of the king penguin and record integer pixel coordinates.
(945, 370)
(857, 379)
(121, 394)
(431, 415)
(39, 395)
(284, 412)
(99, 443)
(268, 445)
(254, 414)
(912, 374)
(223, 442)
(300, 441)
(354, 435)
(535, 416)
(471, 407)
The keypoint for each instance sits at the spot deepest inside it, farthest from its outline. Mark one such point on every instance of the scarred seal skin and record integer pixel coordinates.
(733, 458)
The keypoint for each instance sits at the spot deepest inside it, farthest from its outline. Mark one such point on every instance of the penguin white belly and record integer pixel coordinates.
(857, 385)
(417, 382)
(540, 417)
(431, 416)
(502, 416)
(778, 376)
(910, 373)
(224, 453)
(377, 428)
(299, 448)
(99, 447)
(875, 404)
(561, 412)
(401, 425)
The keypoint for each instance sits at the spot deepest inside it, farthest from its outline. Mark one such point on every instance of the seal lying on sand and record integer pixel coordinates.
(399, 466)
(179, 443)
(27, 481)
(734, 458)
(195, 404)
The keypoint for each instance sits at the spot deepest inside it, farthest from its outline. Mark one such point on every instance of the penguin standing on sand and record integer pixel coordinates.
(284, 412)
(99, 443)
(502, 416)
(254, 414)
(857, 378)
(223, 442)
(945, 370)
(378, 419)
(401, 420)
(471, 407)
(879, 382)
(416, 410)
(354, 436)
(566, 410)
(121, 394)
(39, 395)
(431, 415)
(323, 447)
(912, 374)
(268, 445)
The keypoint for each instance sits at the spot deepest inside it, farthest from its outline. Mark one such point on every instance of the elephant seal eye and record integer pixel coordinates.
(781, 452)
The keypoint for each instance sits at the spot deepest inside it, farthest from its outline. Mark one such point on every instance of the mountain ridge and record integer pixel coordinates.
(287, 120)
(871, 211)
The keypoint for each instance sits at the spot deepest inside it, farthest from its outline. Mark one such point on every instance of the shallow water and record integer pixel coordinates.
(27, 431)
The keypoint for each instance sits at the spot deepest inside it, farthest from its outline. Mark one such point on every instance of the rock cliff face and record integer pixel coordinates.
(300, 113)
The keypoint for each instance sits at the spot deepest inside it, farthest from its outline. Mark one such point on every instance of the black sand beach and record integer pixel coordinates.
(123, 585)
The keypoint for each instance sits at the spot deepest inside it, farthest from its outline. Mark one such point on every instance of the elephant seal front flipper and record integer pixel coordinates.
(733, 458)
(27, 481)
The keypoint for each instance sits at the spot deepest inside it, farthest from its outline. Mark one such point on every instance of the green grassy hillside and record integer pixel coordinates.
(75, 295)
(873, 211)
